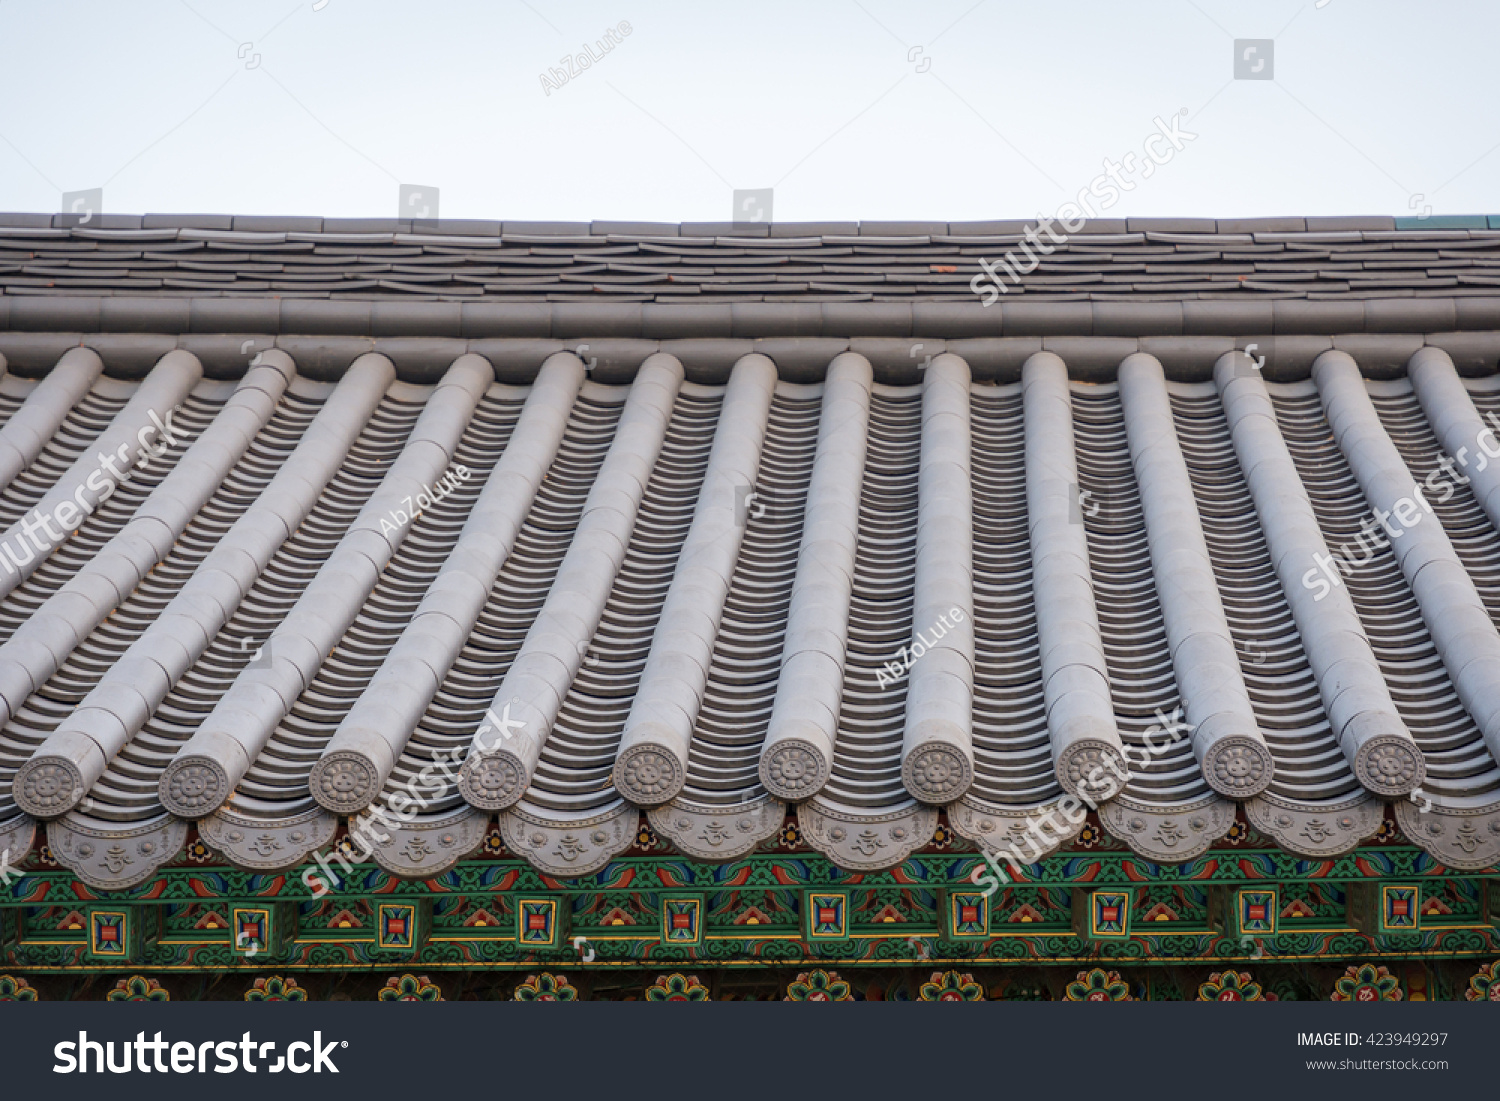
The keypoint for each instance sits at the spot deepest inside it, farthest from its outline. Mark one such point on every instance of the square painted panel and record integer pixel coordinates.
(682, 921)
(1257, 910)
(396, 927)
(254, 930)
(1400, 908)
(826, 915)
(1101, 915)
(538, 922)
(1109, 915)
(1384, 909)
(111, 934)
(968, 915)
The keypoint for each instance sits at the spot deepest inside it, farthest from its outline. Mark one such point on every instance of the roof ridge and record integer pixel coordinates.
(466, 227)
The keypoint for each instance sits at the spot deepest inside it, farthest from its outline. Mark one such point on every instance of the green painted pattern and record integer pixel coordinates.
(753, 914)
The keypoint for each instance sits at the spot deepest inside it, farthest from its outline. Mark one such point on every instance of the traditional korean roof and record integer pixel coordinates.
(581, 555)
(172, 255)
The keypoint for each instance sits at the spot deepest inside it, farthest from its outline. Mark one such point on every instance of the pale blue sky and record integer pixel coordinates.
(1374, 102)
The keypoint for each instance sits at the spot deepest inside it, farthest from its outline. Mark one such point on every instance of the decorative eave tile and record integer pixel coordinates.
(427, 847)
(269, 846)
(113, 859)
(1034, 831)
(1319, 830)
(16, 838)
(718, 833)
(1464, 838)
(1168, 836)
(574, 848)
(866, 842)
